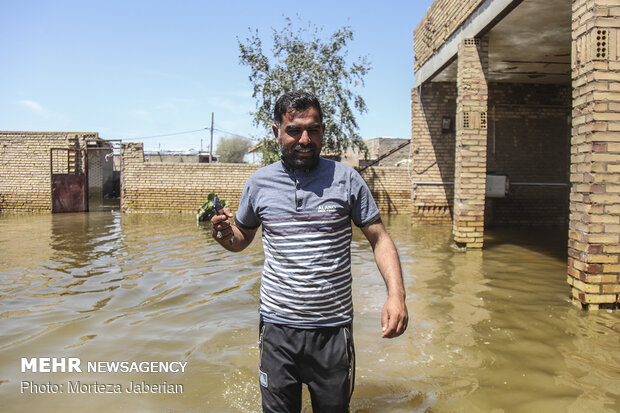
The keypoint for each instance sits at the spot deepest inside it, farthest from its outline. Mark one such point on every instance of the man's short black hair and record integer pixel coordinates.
(297, 101)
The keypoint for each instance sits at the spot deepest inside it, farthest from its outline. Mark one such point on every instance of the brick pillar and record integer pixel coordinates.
(471, 143)
(132, 157)
(594, 235)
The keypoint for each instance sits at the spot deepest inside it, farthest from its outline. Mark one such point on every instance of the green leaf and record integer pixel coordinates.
(207, 211)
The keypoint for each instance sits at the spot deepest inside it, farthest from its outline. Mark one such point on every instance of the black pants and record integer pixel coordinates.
(323, 358)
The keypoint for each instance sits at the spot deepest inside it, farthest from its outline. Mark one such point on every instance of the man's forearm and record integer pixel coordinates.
(240, 240)
(388, 263)
(394, 317)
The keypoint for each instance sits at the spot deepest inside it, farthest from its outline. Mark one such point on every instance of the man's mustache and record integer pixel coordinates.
(306, 146)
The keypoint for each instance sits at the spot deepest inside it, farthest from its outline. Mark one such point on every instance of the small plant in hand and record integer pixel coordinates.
(209, 209)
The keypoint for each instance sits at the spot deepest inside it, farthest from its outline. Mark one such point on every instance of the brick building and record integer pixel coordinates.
(524, 93)
(55, 171)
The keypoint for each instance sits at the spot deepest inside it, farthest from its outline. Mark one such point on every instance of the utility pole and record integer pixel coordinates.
(211, 146)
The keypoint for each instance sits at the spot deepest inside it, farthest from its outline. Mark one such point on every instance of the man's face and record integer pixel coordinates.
(300, 137)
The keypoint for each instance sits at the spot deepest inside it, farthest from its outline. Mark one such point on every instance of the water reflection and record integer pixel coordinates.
(490, 331)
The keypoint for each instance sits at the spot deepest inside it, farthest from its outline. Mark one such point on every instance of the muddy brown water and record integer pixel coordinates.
(490, 331)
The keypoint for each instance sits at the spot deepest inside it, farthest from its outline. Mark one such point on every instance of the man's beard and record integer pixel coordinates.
(295, 162)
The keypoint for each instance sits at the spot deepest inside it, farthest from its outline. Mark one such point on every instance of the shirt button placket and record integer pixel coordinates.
(297, 197)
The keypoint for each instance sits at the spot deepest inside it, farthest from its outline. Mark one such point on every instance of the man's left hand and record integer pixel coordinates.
(394, 317)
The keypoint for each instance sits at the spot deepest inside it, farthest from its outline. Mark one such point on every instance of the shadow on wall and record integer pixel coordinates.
(433, 164)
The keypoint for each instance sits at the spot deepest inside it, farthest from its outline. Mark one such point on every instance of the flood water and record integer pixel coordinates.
(490, 331)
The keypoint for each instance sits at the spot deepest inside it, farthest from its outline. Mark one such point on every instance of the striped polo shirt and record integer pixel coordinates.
(306, 218)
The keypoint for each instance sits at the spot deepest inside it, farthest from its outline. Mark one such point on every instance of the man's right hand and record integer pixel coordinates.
(221, 229)
(232, 237)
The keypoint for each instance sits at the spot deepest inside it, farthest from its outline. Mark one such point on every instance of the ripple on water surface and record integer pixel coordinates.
(490, 330)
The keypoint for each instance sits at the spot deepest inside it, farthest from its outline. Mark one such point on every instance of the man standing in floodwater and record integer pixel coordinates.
(305, 204)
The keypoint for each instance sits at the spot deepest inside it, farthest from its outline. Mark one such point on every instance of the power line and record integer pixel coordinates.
(193, 131)
(233, 133)
(171, 134)
(223, 131)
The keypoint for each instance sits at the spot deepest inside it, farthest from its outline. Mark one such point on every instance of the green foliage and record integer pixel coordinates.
(270, 151)
(233, 149)
(207, 210)
(303, 60)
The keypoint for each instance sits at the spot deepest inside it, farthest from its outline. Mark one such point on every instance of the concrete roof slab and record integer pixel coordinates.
(530, 44)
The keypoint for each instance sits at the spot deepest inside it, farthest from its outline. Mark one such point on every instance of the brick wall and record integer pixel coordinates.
(594, 234)
(391, 188)
(178, 187)
(432, 151)
(528, 140)
(25, 167)
(438, 24)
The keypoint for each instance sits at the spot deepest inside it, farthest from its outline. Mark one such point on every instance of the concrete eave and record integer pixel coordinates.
(480, 21)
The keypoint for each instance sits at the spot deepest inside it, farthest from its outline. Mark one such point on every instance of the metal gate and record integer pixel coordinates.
(69, 188)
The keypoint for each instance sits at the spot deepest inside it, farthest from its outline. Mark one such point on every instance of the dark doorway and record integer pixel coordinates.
(103, 174)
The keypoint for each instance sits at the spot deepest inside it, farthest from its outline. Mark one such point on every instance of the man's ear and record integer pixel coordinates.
(274, 128)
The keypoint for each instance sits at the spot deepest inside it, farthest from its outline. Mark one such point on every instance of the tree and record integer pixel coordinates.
(233, 149)
(302, 60)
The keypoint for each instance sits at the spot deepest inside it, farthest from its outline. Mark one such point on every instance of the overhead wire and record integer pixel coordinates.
(233, 133)
(171, 134)
(192, 131)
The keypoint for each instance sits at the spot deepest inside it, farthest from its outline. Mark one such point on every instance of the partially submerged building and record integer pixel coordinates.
(516, 120)
(57, 172)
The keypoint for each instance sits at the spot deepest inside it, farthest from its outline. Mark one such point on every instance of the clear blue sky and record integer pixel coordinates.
(132, 69)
